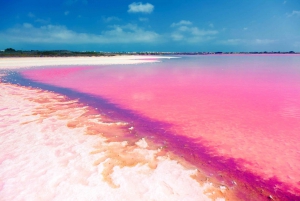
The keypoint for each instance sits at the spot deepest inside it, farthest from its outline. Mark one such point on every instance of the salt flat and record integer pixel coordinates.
(18, 62)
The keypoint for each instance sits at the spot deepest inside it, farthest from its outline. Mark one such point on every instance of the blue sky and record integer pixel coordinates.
(151, 25)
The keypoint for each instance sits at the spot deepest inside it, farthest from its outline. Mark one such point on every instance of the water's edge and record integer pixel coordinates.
(224, 171)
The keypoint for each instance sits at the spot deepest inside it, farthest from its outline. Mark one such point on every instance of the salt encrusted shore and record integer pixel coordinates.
(53, 148)
(46, 156)
(18, 62)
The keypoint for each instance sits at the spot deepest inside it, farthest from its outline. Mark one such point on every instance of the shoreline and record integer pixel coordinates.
(52, 137)
(29, 62)
(69, 144)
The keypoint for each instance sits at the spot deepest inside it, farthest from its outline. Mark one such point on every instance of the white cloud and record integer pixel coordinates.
(30, 14)
(184, 31)
(284, 2)
(245, 28)
(294, 13)
(177, 36)
(211, 25)
(67, 12)
(109, 19)
(238, 41)
(62, 35)
(130, 33)
(140, 8)
(182, 22)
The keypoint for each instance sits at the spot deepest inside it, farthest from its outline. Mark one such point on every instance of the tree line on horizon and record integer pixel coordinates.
(10, 52)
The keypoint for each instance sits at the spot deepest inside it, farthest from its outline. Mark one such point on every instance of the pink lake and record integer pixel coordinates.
(242, 110)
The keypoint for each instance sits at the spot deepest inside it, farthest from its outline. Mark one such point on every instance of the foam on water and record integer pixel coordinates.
(53, 148)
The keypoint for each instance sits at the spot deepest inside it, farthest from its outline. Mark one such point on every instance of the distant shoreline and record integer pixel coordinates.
(149, 55)
(12, 53)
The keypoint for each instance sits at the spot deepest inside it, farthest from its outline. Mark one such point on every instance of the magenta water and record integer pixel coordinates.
(243, 111)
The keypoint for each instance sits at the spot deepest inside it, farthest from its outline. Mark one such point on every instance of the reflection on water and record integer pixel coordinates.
(245, 108)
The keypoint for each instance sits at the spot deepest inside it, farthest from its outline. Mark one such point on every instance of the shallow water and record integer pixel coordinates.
(238, 114)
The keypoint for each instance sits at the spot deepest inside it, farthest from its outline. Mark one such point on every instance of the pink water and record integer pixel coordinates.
(244, 109)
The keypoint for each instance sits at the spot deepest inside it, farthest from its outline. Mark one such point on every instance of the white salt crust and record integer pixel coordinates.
(14, 63)
(42, 158)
